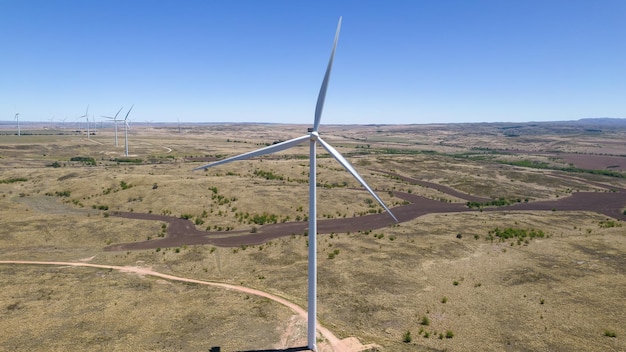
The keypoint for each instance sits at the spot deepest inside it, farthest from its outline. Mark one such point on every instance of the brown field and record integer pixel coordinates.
(376, 280)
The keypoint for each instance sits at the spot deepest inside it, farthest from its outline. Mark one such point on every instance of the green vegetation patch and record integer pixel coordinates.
(543, 165)
(268, 175)
(87, 160)
(512, 233)
(500, 202)
(129, 160)
(13, 180)
(609, 223)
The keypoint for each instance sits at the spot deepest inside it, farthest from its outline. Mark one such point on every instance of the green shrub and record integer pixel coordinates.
(406, 338)
(84, 159)
(610, 333)
(425, 321)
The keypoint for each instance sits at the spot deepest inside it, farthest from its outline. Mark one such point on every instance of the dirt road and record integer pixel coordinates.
(333, 344)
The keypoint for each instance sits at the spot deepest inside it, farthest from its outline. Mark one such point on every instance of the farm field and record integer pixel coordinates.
(511, 238)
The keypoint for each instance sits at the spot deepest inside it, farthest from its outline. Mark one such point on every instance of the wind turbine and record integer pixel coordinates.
(126, 128)
(17, 119)
(86, 116)
(313, 137)
(115, 123)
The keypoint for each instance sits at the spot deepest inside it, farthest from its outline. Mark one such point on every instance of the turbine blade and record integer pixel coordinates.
(119, 112)
(267, 150)
(322, 95)
(356, 175)
(129, 110)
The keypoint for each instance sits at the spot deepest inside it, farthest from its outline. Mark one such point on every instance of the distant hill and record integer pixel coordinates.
(602, 121)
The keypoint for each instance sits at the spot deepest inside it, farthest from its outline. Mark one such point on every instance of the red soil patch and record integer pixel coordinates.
(595, 162)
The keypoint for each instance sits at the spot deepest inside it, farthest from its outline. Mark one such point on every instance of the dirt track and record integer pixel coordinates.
(183, 232)
(337, 345)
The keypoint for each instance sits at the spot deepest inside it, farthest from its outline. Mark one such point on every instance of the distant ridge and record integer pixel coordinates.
(602, 121)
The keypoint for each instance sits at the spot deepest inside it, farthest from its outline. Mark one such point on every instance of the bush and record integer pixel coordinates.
(85, 160)
(449, 334)
(406, 338)
(610, 333)
(425, 321)
(333, 254)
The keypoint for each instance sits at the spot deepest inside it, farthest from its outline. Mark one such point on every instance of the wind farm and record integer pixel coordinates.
(227, 236)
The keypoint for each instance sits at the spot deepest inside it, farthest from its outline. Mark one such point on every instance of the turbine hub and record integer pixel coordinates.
(314, 135)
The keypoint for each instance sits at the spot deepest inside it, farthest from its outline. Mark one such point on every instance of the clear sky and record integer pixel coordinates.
(418, 61)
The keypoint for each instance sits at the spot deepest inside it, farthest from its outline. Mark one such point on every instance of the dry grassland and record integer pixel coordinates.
(563, 292)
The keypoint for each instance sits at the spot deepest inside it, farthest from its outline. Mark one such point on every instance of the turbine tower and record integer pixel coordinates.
(86, 116)
(114, 118)
(313, 137)
(17, 119)
(126, 128)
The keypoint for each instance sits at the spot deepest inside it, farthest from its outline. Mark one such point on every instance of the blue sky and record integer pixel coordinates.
(263, 61)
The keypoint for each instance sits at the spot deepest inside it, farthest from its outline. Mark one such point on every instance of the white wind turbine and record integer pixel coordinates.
(17, 119)
(114, 118)
(86, 116)
(313, 137)
(126, 128)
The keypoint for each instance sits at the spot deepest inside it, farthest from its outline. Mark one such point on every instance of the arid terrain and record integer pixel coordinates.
(510, 238)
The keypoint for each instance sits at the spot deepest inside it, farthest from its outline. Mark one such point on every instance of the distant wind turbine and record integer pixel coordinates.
(17, 119)
(126, 128)
(114, 118)
(86, 116)
(313, 137)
